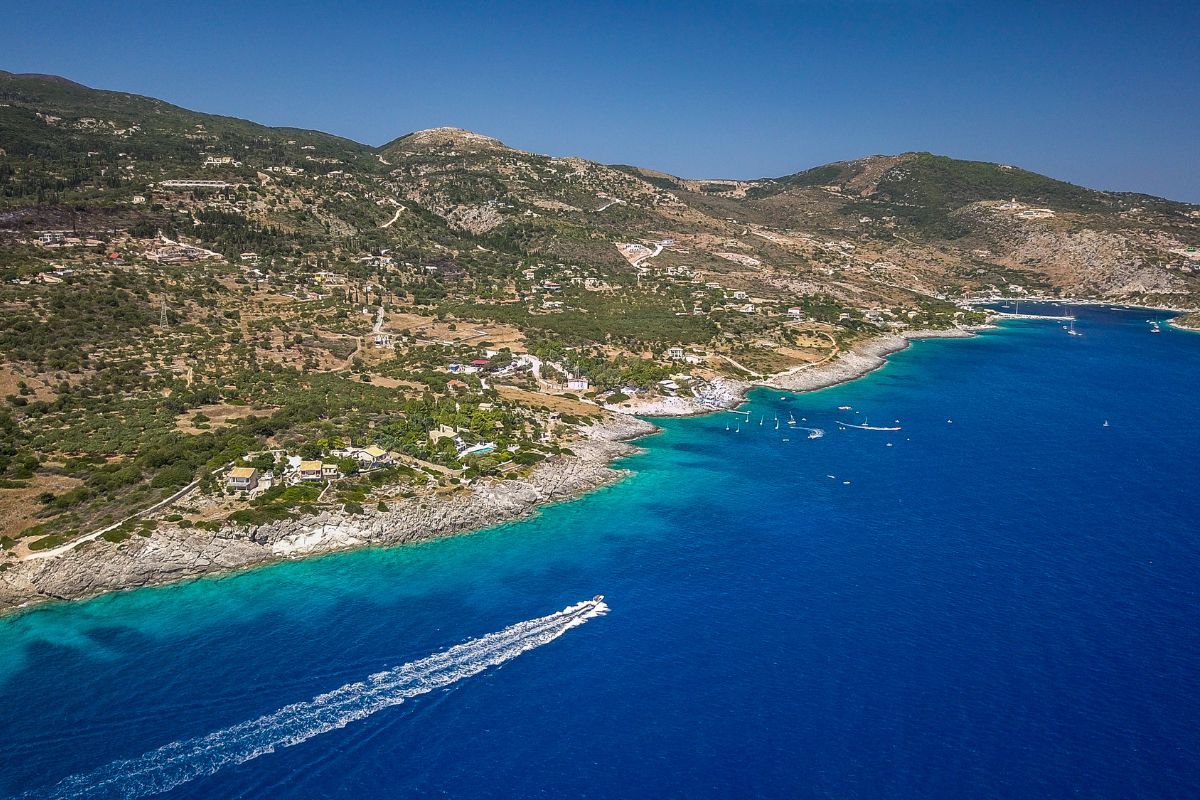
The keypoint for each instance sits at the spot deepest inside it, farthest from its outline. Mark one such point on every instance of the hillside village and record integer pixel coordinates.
(211, 323)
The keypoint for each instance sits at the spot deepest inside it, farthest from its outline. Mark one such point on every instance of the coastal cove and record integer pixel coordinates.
(995, 600)
(176, 554)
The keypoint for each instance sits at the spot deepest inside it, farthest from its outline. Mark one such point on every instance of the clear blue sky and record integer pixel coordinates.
(1105, 94)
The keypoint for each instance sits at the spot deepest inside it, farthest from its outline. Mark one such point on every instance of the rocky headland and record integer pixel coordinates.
(173, 553)
(860, 360)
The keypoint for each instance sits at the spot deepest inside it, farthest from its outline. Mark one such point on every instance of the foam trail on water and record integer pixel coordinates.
(183, 761)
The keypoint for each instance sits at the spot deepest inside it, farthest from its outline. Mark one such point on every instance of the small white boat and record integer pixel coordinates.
(869, 427)
(1105, 423)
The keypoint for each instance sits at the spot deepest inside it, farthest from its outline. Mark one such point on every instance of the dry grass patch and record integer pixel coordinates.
(18, 507)
(552, 402)
(219, 415)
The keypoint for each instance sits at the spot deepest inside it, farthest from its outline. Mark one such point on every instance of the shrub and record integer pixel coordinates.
(46, 542)
(174, 476)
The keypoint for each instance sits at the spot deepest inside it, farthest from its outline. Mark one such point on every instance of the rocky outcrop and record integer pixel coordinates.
(174, 553)
(477, 219)
(716, 395)
(1091, 263)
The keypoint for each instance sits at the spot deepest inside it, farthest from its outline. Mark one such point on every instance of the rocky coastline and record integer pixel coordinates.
(719, 395)
(862, 359)
(175, 554)
(1186, 322)
(848, 365)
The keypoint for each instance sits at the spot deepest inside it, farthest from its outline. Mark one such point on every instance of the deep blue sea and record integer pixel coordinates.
(998, 600)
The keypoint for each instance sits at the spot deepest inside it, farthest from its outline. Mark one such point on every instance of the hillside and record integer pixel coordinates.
(183, 291)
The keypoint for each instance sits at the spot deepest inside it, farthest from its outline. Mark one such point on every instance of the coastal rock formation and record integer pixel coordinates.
(174, 553)
(716, 395)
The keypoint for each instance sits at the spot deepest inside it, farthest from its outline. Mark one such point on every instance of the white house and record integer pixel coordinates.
(242, 479)
(370, 457)
(577, 384)
(310, 471)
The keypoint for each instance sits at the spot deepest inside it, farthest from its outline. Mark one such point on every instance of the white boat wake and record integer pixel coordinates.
(179, 762)
(868, 427)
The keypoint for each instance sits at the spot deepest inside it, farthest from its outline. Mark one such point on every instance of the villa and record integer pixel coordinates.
(477, 449)
(371, 457)
(310, 471)
(242, 479)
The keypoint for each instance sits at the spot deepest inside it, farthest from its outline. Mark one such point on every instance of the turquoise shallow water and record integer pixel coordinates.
(1002, 603)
